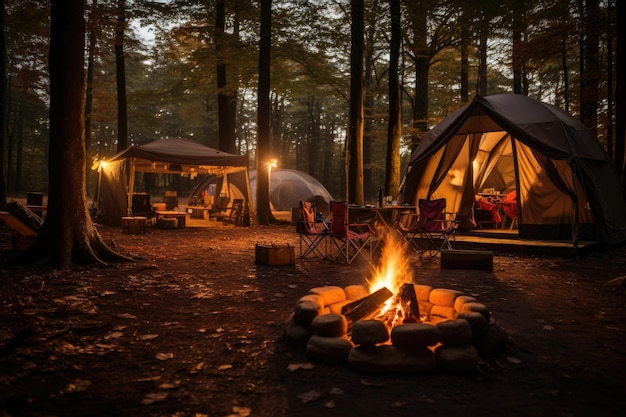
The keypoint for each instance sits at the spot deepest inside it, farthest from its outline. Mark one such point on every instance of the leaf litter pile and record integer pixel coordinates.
(195, 327)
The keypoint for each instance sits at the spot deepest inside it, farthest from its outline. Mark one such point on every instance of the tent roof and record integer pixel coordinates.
(178, 155)
(542, 126)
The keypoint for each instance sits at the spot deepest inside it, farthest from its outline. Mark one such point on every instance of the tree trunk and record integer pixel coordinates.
(481, 84)
(90, 67)
(263, 148)
(68, 234)
(122, 119)
(368, 123)
(620, 95)
(3, 110)
(609, 80)
(394, 128)
(591, 77)
(226, 131)
(421, 58)
(518, 29)
(354, 141)
(464, 45)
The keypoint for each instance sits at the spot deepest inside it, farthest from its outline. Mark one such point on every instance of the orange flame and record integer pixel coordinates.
(393, 268)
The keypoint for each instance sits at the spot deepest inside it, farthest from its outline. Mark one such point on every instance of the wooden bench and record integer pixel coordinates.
(181, 216)
(16, 224)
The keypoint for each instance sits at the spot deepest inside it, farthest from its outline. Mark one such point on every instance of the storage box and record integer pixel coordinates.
(275, 255)
(134, 225)
(167, 222)
(467, 259)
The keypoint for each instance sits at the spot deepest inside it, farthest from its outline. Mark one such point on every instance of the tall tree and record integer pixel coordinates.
(589, 79)
(620, 94)
(3, 109)
(90, 68)
(354, 141)
(68, 234)
(518, 30)
(263, 147)
(122, 112)
(226, 100)
(394, 128)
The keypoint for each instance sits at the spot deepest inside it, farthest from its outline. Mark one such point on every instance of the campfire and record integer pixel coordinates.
(392, 324)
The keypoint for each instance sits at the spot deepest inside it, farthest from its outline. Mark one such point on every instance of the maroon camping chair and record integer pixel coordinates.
(350, 239)
(313, 232)
(408, 227)
(437, 226)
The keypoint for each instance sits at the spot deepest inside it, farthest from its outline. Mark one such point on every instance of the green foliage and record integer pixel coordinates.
(172, 88)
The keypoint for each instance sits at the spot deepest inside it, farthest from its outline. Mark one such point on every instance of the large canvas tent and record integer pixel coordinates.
(116, 180)
(566, 184)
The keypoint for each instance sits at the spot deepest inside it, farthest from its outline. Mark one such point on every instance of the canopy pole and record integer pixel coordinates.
(131, 186)
(575, 204)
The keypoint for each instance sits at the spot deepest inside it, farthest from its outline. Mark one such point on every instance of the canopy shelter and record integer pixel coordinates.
(116, 180)
(566, 185)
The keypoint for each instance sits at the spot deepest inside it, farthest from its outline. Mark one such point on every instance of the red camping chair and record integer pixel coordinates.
(509, 207)
(437, 226)
(350, 239)
(312, 231)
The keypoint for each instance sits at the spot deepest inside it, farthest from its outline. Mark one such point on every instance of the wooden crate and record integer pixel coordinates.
(275, 255)
(467, 259)
(134, 225)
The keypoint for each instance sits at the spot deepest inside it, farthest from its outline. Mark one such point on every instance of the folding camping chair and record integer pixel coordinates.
(350, 239)
(312, 230)
(408, 227)
(437, 226)
(509, 207)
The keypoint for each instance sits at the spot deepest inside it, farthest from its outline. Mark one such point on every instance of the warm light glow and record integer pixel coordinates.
(393, 269)
(272, 164)
(103, 165)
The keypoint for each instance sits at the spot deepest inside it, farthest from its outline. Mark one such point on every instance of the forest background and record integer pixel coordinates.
(163, 69)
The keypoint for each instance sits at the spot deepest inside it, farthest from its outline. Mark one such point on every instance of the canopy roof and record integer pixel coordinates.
(173, 155)
(116, 183)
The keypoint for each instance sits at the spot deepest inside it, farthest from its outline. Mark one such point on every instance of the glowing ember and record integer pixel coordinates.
(393, 268)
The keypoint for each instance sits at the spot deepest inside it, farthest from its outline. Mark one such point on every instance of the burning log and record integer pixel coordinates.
(366, 307)
(405, 308)
(408, 301)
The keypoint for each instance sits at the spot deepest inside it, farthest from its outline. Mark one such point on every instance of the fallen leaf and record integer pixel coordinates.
(126, 316)
(154, 397)
(164, 356)
(240, 411)
(336, 391)
(114, 335)
(224, 367)
(370, 383)
(295, 366)
(306, 397)
(79, 385)
(148, 336)
(513, 360)
(330, 404)
(548, 328)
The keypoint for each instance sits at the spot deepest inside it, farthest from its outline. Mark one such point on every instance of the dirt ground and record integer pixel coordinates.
(195, 329)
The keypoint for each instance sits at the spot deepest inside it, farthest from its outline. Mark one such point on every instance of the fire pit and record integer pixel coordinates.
(394, 325)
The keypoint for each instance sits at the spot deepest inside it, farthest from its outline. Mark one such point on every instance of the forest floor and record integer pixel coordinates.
(195, 328)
